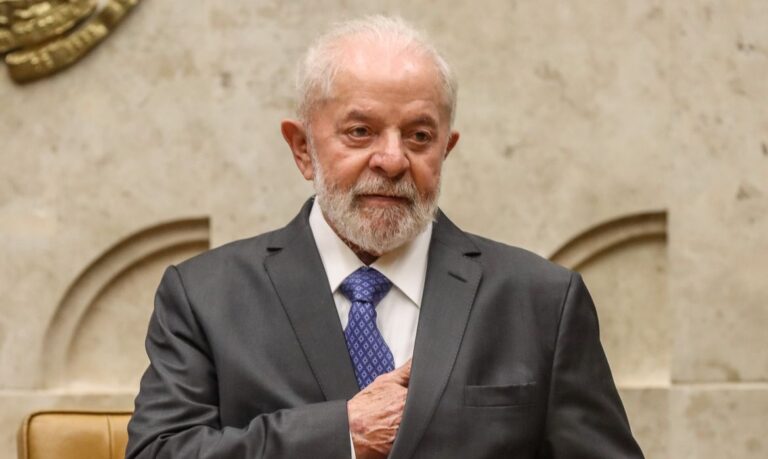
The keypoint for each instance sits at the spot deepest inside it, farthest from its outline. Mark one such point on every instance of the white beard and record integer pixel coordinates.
(374, 230)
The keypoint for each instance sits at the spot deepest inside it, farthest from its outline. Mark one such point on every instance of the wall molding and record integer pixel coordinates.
(607, 235)
(103, 272)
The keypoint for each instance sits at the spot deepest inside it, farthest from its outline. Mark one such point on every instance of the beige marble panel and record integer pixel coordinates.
(648, 413)
(719, 215)
(628, 285)
(719, 421)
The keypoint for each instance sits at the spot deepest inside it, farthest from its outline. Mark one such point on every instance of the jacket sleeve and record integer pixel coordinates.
(177, 415)
(585, 416)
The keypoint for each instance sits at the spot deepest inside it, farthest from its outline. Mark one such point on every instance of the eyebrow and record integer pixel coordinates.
(357, 115)
(424, 120)
(421, 120)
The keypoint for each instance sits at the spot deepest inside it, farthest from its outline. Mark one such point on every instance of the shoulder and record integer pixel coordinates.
(523, 263)
(500, 261)
(525, 282)
(227, 266)
(250, 252)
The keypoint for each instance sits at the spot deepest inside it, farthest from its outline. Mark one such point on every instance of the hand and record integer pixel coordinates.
(375, 413)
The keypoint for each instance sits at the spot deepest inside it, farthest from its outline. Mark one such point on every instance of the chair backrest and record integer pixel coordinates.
(74, 435)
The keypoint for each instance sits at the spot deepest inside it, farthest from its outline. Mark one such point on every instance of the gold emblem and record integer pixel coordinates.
(39, 38)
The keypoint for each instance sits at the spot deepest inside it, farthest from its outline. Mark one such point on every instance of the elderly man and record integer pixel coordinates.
(371, 326)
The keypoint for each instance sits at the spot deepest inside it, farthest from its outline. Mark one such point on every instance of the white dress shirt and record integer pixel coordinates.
(397, 314)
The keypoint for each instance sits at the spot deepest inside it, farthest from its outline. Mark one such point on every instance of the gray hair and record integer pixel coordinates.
(321, 63)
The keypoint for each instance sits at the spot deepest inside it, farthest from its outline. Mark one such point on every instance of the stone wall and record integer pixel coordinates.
(626, 139)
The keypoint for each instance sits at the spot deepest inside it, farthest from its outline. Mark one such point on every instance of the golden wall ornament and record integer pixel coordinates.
(42, 37)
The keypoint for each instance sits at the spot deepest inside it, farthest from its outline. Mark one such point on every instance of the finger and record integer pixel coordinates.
(402, 374)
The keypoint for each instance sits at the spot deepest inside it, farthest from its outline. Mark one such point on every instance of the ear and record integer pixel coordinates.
(452, 141)
(295, 135)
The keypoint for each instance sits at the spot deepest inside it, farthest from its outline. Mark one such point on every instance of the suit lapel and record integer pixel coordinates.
(450, 288)
(299, 278)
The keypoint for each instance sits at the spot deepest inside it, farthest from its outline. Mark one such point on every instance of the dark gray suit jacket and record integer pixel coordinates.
(248, 358)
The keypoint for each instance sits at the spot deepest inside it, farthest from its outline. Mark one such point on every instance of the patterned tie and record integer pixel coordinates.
(370, 354)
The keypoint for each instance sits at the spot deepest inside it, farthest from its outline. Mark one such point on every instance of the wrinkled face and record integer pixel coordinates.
(377, 147)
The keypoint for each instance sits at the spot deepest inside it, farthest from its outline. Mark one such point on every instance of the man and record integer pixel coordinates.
(371, 326)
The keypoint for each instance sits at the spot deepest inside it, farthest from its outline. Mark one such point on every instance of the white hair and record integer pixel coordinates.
(322, 61)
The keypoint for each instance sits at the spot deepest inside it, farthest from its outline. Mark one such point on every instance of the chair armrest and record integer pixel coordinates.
(73, 435)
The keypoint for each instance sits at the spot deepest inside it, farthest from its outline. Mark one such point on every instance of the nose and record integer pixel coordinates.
(389, 157)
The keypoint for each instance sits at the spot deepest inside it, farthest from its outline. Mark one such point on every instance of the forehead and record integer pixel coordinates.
(383, 57)
(371, 74)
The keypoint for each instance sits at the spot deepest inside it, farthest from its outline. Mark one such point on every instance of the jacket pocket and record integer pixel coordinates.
(509, 395)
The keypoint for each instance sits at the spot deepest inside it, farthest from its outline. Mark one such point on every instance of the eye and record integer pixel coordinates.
(422, 136)
(359, 132)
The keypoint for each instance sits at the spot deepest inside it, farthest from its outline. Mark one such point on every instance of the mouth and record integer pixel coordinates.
(383, 199)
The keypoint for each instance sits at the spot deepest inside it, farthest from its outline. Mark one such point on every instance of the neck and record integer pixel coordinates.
(364, 256)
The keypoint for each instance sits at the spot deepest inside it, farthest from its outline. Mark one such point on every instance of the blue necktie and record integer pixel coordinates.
(370, 354)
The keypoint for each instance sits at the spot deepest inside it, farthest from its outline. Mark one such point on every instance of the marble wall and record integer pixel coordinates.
(626, 139)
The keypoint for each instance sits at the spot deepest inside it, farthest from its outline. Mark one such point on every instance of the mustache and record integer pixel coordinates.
(375, 184)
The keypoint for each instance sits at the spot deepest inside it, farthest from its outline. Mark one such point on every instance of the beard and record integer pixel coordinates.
(375, 230)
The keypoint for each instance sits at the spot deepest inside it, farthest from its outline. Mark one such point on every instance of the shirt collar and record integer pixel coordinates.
(405, 267)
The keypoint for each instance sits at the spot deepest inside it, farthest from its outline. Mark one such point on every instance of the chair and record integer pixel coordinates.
(74, 435)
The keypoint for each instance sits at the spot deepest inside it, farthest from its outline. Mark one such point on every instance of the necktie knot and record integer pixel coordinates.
(366, 284)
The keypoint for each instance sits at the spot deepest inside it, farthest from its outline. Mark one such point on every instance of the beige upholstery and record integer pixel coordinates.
(74, 435)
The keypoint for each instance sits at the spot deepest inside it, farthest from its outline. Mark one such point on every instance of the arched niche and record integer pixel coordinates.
(624, 263)
(94, 341)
